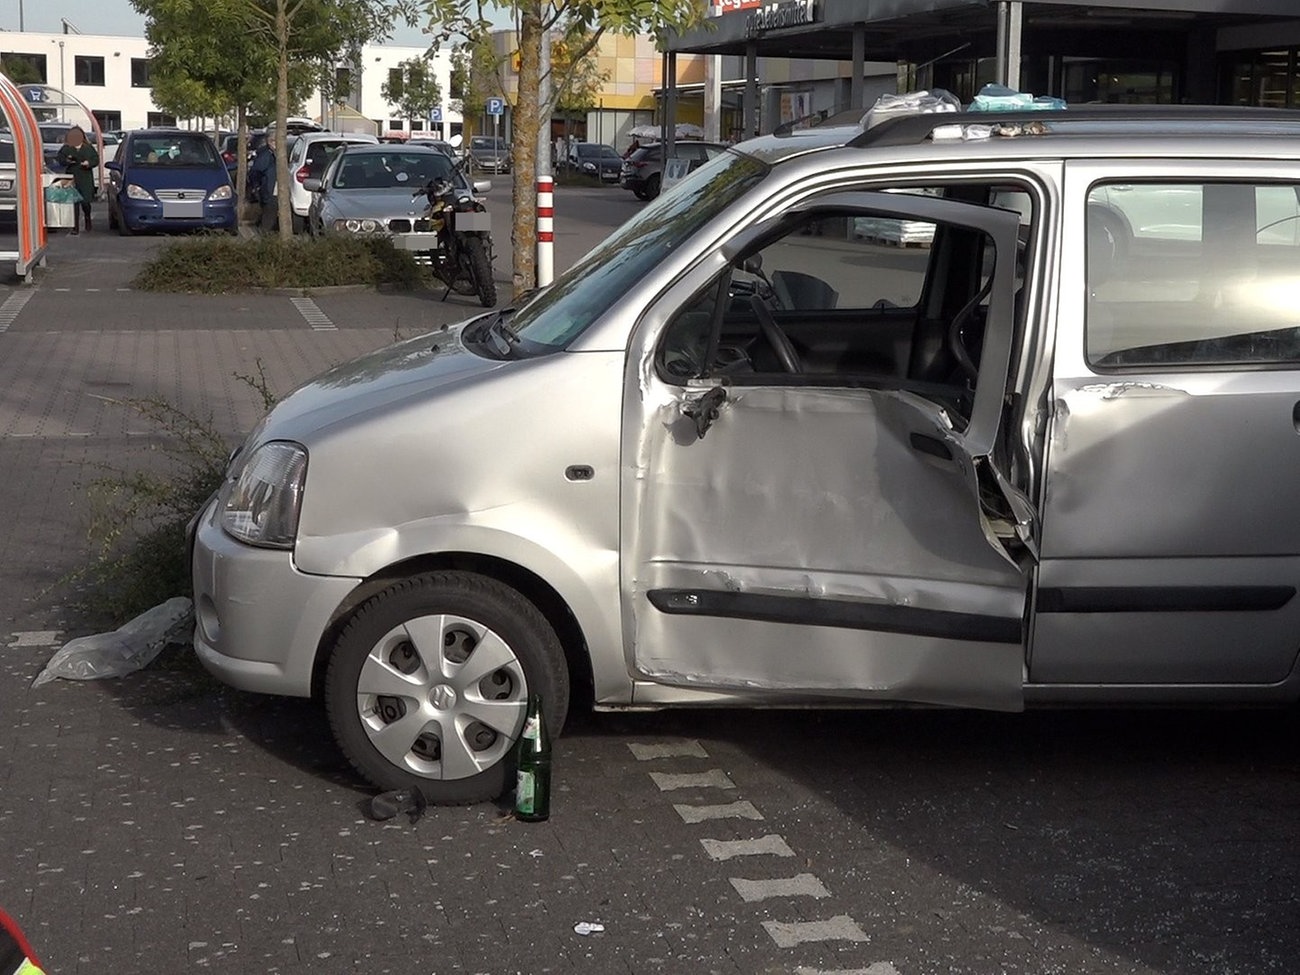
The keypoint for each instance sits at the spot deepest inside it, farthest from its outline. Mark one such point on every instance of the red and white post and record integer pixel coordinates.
(545, 230)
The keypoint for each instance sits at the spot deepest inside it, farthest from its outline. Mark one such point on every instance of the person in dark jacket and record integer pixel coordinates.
(262, 174)
(79, 159)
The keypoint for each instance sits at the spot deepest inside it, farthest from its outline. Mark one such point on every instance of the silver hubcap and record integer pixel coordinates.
(442, 696)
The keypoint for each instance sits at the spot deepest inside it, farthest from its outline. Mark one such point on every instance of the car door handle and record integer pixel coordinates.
(930, 445)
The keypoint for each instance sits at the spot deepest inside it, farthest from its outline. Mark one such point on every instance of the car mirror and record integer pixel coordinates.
(313, 185)
(113, 167)
(482, 185)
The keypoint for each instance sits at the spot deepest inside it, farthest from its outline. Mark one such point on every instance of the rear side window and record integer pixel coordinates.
(1193, 274)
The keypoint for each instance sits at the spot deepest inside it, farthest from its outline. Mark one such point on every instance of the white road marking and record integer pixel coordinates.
(312, 314)
(36, 638)
(712, 779)
(12, 306)
(727, 810)
(875, 968)
(673, 749)
(800, 885)
(771, 844)
(790, 934)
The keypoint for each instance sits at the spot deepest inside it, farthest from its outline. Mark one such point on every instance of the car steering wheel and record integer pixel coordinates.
(776, 338)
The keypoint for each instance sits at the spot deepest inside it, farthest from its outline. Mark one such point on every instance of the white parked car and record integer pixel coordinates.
(311, 153)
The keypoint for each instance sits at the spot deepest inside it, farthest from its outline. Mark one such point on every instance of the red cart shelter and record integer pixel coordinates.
(25, 194)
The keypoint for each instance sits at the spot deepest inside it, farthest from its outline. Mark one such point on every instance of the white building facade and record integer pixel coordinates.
(110, 76)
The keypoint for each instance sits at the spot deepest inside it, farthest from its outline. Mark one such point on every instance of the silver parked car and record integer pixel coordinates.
(749, 451)
(371, 189)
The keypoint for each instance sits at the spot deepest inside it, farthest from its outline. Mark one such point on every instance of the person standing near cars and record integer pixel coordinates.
(79, 159)
(262, 173)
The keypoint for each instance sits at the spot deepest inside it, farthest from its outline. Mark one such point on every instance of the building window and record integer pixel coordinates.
(417, 125)
(108, 121)
(140, 73)
(25, 69)
(343, 82)
(1266, 78)
(396, 124)
(88, 70)
(395, 79)
(155, 119)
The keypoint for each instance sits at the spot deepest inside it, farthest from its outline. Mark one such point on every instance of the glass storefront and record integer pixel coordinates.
(1266, 78)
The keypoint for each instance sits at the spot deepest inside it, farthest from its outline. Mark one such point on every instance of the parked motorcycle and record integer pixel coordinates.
(463, 260)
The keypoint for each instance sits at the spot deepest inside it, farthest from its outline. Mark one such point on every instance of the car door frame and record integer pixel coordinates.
(937, 667)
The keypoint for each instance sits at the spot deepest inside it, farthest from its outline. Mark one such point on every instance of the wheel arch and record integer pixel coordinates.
(529, 584)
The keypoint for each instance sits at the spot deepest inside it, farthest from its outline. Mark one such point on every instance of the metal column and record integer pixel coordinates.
(858, 85)
(752, 113)
(670, 110)
(1010, 17)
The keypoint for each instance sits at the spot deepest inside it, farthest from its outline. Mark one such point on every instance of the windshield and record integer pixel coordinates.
(387, 170)
(51, 134)
(598, 281)
(171, 151)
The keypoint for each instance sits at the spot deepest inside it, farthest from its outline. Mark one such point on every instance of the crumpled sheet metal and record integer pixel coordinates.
(803, 492)
(131, 647)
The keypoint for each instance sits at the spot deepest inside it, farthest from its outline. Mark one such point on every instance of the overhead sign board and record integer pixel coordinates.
(785, 13)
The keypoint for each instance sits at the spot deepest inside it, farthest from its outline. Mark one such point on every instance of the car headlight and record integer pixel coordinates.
(220, 193)
(262, 495)
(138, 192)
(590, 167)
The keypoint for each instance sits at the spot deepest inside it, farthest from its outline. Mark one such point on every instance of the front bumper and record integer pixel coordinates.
(259, 621)
(148, 215)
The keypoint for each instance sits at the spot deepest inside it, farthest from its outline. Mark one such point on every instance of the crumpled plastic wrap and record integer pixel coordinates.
(129, 648)
(923, 102)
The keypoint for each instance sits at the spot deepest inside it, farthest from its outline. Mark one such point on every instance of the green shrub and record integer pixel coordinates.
(216, 264)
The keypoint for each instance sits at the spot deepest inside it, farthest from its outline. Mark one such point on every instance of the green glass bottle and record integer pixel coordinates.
(533, 761)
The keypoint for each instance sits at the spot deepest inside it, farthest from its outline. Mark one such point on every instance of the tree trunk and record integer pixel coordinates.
(525, 123)
(282, 120)
(241, 159)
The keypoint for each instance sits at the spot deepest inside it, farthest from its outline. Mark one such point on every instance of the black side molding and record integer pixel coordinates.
(1163, 599)
(842, 613)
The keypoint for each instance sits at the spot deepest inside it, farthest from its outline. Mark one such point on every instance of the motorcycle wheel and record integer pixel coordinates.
(480, 269)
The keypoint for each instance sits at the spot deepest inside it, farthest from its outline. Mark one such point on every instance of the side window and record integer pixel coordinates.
(1193, 275)
(836, 297)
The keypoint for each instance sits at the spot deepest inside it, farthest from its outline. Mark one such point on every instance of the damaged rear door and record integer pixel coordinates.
(811, 504)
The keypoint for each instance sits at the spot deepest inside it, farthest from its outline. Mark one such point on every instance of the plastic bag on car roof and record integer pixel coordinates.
(925, 102)
(1000, 98)
(129, 648)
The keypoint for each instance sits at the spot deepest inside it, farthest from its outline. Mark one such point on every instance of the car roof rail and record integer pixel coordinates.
(1091, 120)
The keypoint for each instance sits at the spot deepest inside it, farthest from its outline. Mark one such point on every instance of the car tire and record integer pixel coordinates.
(652, 187)
(123, 230)
(112, 218)
(299, 224)
(639, 193)
(406, 661)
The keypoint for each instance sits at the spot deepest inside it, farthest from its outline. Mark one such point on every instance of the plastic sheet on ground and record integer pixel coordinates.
(129, 648)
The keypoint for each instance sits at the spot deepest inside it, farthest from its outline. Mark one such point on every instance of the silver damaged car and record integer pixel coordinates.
(915, 414)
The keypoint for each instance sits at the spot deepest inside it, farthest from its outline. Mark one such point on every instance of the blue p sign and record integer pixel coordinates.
(435, 114)
(496, 106)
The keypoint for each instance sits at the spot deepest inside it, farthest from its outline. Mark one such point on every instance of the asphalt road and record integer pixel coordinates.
(164, 823)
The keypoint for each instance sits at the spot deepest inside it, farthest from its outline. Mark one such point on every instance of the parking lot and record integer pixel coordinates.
(165, 822)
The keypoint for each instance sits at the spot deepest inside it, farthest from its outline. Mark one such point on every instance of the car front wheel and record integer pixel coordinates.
(428, 685)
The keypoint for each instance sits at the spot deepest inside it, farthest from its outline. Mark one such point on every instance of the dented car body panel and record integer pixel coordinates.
(756, 452)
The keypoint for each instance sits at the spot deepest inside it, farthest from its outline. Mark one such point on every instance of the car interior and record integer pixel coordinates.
(838, 299)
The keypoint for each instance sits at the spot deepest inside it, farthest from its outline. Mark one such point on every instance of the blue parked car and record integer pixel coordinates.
(165, 179)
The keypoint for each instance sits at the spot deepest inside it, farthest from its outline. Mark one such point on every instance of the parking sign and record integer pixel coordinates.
(435, 114)
(496, 106)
